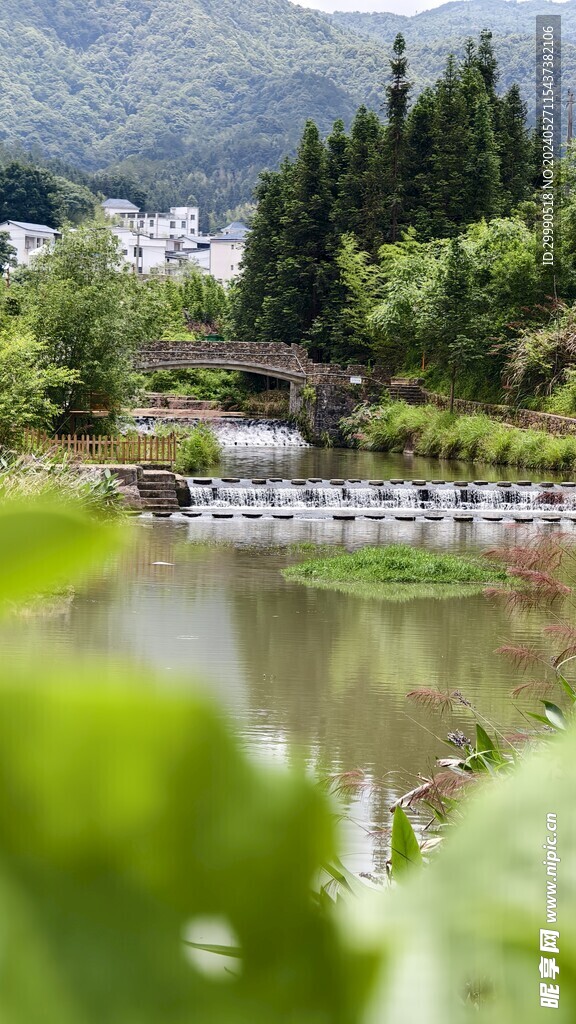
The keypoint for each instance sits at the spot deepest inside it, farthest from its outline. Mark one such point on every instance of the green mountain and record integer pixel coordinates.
(194, 97)
(432, 35)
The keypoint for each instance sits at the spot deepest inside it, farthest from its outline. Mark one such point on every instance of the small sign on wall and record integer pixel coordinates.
(355, 380)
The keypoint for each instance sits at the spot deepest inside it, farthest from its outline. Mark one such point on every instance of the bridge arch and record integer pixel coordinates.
(190, 362)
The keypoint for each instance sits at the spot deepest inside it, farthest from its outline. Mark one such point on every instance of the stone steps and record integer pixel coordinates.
(157, 489)
(404, 390)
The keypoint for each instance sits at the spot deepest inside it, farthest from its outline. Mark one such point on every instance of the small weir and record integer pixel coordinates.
(235, 432)
(334, 494)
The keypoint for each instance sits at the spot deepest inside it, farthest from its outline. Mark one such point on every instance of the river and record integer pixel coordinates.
(310, 674)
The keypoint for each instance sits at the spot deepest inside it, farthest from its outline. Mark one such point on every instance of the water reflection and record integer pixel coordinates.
(342, 462)
(305, 672)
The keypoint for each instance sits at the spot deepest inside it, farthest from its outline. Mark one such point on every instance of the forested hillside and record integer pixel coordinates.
(193, 98)
(431, 35)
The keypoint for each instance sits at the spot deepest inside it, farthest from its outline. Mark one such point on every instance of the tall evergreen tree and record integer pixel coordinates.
(259, 286)
(487, 64)
(397, 99)
(419, 164)
(515, 149)
(481, 165)
(361, 207)
(307, 228)
(449, 185)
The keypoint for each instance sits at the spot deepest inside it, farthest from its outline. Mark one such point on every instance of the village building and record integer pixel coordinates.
(27, 239)
(226, 252)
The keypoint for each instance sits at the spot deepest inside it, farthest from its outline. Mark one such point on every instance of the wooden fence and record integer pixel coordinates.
(139, 449)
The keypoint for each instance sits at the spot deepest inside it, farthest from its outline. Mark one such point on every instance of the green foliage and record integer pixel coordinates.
(88, 316)
(197, 449)
(44, 545)
(7, 252)
(27, 194)
(227, 387)
(48, 476)
(431, 432)
(404, 849)
(28, 380)
(477, 287)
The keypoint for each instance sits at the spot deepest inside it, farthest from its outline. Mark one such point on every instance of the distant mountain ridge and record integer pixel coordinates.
(431, 35)
(195, 97)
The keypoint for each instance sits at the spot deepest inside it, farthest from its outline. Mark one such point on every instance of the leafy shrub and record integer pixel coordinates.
(198, 449)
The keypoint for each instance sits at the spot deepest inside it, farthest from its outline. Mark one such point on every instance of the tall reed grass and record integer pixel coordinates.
(433, 432)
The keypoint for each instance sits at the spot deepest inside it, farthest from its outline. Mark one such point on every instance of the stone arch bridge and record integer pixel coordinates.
(320, 393)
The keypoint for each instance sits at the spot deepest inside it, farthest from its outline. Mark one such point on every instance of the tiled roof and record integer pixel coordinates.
(31, 227)
(119, 204)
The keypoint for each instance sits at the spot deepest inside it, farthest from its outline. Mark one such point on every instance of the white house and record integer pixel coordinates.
(226, 252)
(120, 210)
(27, 239)
(180, 220)
(142, 253)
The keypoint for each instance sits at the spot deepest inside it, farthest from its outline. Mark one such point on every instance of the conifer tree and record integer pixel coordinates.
(262, 258)
(449, 185)
(481, 165)
(397, 99)
(515, 149)
(361, 207)
(418, 164)
(304, 270)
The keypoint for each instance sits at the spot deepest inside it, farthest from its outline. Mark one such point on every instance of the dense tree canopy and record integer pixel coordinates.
(323, 218)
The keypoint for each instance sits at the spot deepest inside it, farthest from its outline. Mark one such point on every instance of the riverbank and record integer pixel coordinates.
(435, 433)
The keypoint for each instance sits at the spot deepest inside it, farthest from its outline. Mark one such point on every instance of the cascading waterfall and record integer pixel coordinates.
(283, 494)
(234, 433)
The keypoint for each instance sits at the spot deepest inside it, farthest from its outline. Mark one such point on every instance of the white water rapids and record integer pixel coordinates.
(236, 433)
(323, 494)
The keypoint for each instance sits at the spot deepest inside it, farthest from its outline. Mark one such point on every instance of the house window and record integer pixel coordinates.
(125, 252)
(138, 252)
(182, 223)
(131, 224)
(171, 236)
(151, 234)
(151, 222)
(172, 223)
(140, 223)
(192, 216)
(28, 242)
(231, 266)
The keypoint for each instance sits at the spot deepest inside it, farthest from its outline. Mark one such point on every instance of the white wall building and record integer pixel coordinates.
(140, 252)
(226, 252)
(180, 220)
(28, 239)
(120, 210)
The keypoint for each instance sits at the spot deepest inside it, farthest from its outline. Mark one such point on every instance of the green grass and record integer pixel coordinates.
(439, 434)
(376, 572)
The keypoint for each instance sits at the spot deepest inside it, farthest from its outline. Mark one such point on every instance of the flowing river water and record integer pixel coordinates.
(305, 673)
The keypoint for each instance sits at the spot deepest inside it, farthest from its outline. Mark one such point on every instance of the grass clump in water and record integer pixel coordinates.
(197, 449)
(395, 563)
